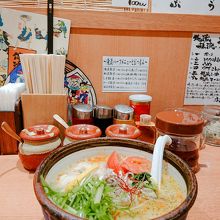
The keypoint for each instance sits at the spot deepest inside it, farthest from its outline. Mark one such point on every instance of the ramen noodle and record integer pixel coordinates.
(113, 187)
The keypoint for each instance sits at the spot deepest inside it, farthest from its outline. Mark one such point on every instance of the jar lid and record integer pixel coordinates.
(103, 111)
(179, 122)
(40, 133)
(123, 131)
(140, 98)
(82, 132)
(123, 112)
(82, 111)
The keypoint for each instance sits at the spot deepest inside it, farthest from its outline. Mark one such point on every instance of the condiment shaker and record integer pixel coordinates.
(123, 114)
(147, 128)
(103, 117)
(82, 114)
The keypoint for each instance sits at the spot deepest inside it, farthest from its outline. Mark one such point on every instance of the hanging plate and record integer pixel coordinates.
(78, 86)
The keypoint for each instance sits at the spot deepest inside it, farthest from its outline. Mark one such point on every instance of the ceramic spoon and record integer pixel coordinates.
(157, 161)
(60, 120)
(7, 129)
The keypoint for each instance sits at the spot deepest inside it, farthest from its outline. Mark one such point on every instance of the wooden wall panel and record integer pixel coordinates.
(165, 38)
(168, 52)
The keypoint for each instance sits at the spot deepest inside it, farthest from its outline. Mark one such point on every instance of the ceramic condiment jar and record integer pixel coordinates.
(38, 142)
(81, 132)
(123, 131)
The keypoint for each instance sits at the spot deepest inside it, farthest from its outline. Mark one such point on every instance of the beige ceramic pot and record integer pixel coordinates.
(62, 158)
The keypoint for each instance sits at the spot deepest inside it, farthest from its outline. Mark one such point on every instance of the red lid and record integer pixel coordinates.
(40, 133)
(179, 122)
(123, 131)
(82, 132)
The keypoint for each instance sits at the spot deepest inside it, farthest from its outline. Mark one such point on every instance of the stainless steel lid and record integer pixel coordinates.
(82, 111)
(103, 111)
(123, 112)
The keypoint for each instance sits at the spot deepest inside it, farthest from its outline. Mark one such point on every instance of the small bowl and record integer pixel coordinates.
(61, 158)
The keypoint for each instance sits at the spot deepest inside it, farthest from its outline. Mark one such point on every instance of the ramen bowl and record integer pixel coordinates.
(62, 158)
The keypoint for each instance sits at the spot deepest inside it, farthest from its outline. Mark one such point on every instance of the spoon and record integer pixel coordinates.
(60, 120)
(157, 161)
(7, 129)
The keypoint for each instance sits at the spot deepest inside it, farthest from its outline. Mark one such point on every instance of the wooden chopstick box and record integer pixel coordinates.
(9, 145)
(40, 108)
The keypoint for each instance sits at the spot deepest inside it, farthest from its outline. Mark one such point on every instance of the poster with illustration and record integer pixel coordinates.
(15, 73)
(27, 30)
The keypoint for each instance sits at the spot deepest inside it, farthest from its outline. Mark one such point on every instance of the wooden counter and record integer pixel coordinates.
(17, 199)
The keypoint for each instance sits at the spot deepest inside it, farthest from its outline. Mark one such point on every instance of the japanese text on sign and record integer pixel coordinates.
(125, 74)
(205, 7)
(203, 81)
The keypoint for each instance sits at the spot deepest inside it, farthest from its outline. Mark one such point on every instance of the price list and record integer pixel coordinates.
(125, 74)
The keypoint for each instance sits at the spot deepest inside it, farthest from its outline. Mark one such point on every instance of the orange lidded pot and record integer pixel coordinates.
(38, 142)
(122, 131)
(81, 132)
(184, 127)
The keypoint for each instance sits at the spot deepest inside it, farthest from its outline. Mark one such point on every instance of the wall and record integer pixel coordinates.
(165, 38)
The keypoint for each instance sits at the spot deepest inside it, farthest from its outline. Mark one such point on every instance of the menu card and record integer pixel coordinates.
(125, 74)
(203, 80)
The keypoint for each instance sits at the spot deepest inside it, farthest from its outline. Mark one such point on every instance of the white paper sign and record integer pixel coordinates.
(205, 7)
(203, 80)
(130, 3)
(125, 74)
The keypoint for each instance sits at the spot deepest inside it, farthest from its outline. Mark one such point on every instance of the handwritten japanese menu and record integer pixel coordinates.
(203, 80)
(125, 74)
(205, 7)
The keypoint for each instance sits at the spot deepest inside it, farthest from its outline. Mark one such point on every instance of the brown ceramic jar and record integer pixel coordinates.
(185, 128)
(38, 142)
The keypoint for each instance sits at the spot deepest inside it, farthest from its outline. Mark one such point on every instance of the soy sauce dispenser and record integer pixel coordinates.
(103, 117)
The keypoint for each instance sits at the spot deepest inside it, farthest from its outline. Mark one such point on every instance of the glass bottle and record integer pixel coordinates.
(147, 128)
(141, 104)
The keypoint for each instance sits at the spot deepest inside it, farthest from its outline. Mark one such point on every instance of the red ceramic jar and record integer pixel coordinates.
(122, 131)
(81, 132)
(39, 142)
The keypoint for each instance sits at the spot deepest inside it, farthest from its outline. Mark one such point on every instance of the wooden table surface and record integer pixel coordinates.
(17, 199)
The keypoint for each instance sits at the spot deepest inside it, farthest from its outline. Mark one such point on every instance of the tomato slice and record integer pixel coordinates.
(114, 161)
(135, 165)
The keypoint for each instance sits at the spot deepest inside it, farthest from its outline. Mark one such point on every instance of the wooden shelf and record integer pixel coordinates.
(136, 21)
